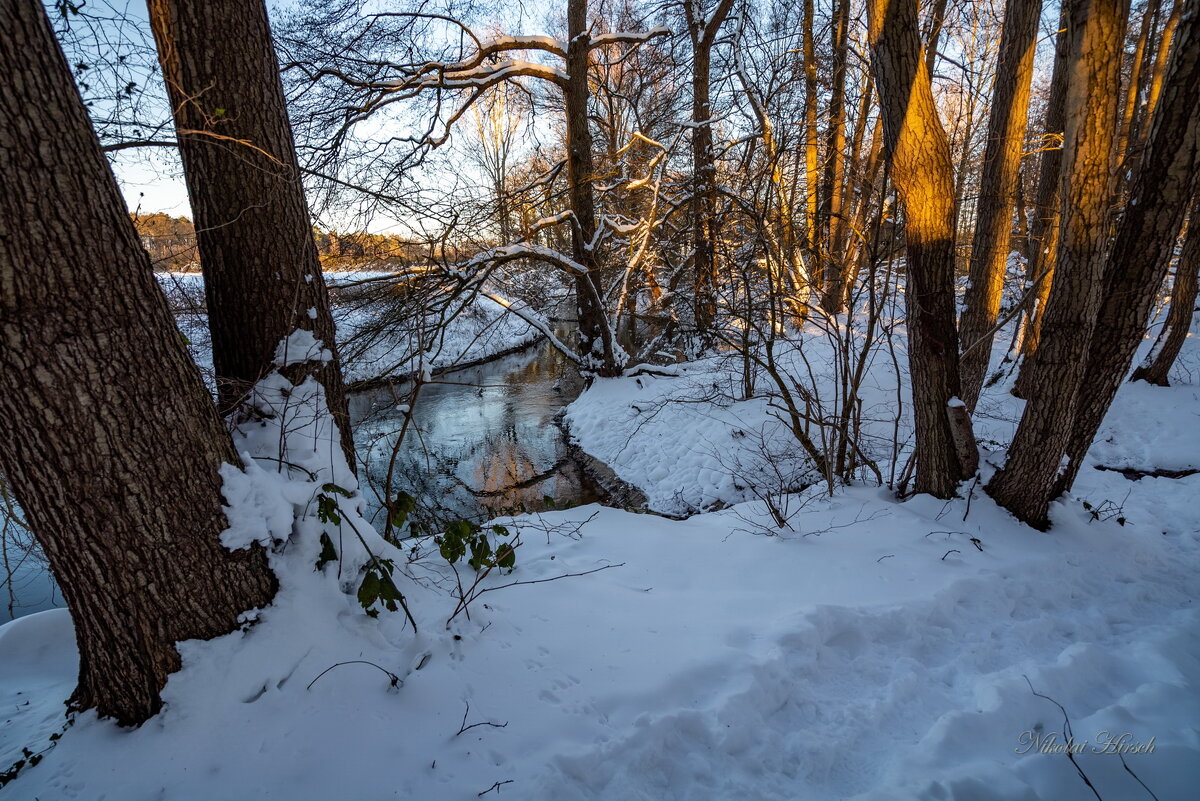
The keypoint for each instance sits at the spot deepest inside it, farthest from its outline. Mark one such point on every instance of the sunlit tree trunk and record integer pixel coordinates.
(107, 434)
(262, 277)
(922, 172)
(1145, 241)
(811, 164)
(1043, 233)
(1179, 315)
(1026, 484)
(997, 189)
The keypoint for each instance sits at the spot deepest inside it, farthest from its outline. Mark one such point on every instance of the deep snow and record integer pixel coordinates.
(872, 651)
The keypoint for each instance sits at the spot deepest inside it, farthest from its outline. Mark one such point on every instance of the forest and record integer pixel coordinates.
(600, 399)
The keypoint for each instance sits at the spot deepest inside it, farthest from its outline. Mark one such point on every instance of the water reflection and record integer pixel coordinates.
(486, 440)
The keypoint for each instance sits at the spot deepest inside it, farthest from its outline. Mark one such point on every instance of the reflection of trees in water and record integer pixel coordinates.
(487, 477)
(483, 442)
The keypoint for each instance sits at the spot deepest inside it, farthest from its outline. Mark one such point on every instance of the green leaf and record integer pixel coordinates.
(345, 493)
(328, 554)
(368, 591)
(327, 510)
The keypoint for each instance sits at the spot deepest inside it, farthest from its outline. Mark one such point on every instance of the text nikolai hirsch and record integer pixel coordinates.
(1105, 742)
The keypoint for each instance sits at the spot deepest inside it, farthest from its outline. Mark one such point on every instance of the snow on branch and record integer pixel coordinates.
(497, 256)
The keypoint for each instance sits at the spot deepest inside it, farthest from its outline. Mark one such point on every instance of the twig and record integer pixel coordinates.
(1136, 778)
(466, 601)
(495, 787)
(947, 553)
(464, 727)
(395, 680)
(885, 556)
(1070, 735)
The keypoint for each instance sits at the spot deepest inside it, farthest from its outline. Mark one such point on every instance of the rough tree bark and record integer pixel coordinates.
(1183, 307)
(262, 276)
(703, 35)
(1026, 484)
(1145, 240)
(596, 343)
(107, 433)
(997, 190)
(1043, 233)
(922, 173)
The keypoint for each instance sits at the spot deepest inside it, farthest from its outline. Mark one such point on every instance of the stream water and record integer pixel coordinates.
(483, 440)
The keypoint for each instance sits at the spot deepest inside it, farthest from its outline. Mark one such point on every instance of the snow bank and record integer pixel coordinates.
(874, 650)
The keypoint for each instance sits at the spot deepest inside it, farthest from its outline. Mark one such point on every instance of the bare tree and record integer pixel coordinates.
(1145, 240)
(920, 165)
(1183, 306)
(1026, 484)
(703, 33)
(107, 434)
(997, 192)
(262, 276)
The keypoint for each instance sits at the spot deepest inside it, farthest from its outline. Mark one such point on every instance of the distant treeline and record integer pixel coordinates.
(171, 243)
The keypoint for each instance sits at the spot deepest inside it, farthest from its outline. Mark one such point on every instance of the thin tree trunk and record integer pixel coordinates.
(835, 146)
(1043, 234)
(704, 171)
(993, 218)
(262, 277)
(937, 19)
(846, 244)
(811, 168)
(107, 434)
(596, 344)
(922, 172)
(1179, 315)
(1134, 88)
(1026, 484)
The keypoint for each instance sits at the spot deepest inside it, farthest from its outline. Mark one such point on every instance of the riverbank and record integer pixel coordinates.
(870, 650)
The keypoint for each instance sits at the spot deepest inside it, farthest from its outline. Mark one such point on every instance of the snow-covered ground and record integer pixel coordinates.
(873, 650)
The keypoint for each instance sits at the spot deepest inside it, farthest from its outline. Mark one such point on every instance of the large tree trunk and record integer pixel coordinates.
(1026, 484)
(596, 344)
(1001, 165)
(261, 273)
(1183, 307)
(107, 433)
(1145, 240)
(922, 172)
(1043, 233)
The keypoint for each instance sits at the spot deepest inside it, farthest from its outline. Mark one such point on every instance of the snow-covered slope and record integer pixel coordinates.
(873, 650)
